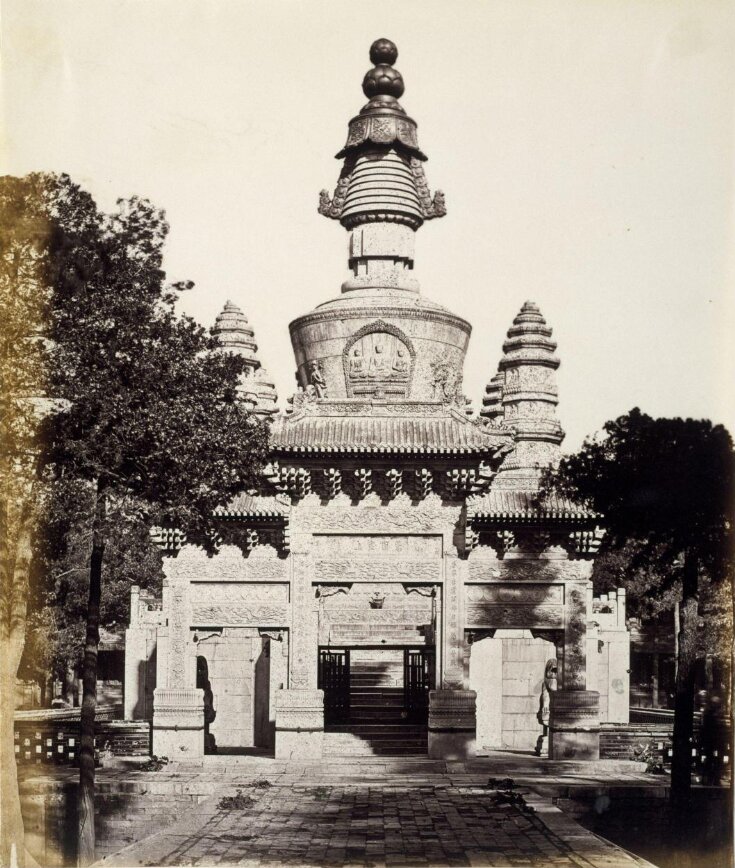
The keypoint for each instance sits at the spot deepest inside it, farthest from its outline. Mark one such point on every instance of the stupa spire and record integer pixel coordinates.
(529, 391)
(382, 196)
(234, 334)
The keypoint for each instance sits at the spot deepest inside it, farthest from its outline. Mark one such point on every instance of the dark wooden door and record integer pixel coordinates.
(334, 680)
(418, 680)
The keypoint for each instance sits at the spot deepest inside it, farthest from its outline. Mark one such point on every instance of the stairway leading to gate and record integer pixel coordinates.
(378, 722)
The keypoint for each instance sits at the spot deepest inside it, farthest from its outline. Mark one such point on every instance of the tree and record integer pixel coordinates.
(665, 488)
(59, 581)
(150, 420)
(25, 298)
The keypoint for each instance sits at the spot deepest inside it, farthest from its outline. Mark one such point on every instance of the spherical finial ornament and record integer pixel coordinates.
(383, 51)
(383, 81)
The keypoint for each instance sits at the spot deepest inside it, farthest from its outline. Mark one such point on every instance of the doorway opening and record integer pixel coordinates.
(376, 697)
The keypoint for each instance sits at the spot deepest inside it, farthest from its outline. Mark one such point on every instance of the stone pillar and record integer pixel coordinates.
(574, 724)
(178, 705)
(300, 708)
(452, 724)
(452, 709)
(136, 661)
(299, 724)
(574, 729)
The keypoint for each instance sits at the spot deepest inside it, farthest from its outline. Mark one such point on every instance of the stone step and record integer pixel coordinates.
(347, 744)
(379, 729)
(379, 697)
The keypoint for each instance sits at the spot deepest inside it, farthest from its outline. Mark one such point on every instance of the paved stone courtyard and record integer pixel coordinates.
(375, 814)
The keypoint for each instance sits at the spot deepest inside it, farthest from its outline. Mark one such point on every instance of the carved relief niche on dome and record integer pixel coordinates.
(378, 361)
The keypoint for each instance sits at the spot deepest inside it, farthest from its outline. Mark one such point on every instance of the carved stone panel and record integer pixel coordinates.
(377, 545)
(240, 605)
(377, 571)
(228, 565)
(515, 606)
(378, 359)
(400, 515)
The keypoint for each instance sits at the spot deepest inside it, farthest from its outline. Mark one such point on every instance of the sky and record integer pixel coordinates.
(586, 150)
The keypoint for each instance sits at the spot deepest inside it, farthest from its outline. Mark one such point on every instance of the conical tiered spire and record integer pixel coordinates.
(529, 392)
(492, 402)
(235, 335)
(382, 195)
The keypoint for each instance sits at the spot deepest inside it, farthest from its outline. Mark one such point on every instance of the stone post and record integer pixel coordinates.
(178, 705)
(452, 709)
(300, 707)
(574, 723)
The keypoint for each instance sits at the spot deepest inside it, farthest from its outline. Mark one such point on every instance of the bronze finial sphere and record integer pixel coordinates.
(383, 51)
(383, 81)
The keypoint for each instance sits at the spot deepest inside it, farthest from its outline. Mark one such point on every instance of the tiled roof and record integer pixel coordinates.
(253, 505)
(510, 504)
(448, 433)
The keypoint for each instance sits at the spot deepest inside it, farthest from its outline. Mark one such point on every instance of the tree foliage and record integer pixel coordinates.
(147, 422)
(665, 488)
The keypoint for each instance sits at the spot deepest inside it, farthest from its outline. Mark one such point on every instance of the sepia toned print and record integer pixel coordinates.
(382, 610)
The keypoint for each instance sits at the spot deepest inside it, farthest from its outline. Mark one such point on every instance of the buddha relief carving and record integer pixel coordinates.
(378, 361)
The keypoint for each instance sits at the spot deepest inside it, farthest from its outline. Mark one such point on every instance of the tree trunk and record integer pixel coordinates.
(15, 541)
(86, 839)
(681, 766)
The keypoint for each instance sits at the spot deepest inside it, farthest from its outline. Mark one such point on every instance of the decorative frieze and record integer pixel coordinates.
(371, 546)
(300, 710)
(239, 605)
(376, 571)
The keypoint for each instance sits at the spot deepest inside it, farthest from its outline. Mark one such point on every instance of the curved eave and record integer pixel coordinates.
(351, 449)
(535, 516)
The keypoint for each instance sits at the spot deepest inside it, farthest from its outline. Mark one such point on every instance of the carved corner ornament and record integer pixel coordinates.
(332, 206)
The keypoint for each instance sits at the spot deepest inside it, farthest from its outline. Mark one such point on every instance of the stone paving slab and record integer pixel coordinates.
(294, 817)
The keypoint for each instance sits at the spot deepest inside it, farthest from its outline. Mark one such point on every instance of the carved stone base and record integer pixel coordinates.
(178, 723)
(574, 727)
(299, 724)
(452, 724)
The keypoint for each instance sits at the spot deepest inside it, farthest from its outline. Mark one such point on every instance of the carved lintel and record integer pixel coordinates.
(275, 635)
(323, 591)
(421, 590)
(477, 635)
(553, 636)
(211, 634)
